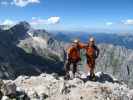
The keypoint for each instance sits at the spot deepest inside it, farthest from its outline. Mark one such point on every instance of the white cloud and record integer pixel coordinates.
(36, 21)
(7, 22)
(109, 23)
(128, 22)
(33, 18)
(51, 20)
(23, 3)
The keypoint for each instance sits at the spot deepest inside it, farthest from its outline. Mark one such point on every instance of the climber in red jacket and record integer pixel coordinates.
(73, 58)
(92, 53)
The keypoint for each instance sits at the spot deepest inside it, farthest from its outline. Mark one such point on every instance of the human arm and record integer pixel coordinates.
(82, 46)
(97, 51)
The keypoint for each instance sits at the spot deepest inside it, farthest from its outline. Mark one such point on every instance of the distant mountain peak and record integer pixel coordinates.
(24, 25)
(20, 30)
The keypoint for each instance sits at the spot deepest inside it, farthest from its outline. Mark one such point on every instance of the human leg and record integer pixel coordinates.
(67, 68)
(91, 67)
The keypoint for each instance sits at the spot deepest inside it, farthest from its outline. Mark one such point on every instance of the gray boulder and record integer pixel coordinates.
(8, 89)
(5, 98)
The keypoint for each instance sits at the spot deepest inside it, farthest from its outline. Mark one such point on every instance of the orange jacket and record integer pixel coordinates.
(74, 52)
(92, 51)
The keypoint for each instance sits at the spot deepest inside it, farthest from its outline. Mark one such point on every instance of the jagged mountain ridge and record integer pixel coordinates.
(125, 40)
(15, 61)
(117, 61)
(40, 42)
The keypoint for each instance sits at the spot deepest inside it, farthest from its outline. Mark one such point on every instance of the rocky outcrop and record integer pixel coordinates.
(53, 87)
(8, 88)
(15, 61)
(117, 61)
(19, 31)
(43, 44)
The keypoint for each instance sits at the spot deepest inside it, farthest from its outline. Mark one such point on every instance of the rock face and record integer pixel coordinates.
(115, 60)
(19, 31)
(49, 87)
(15, 61)
(43, 44)
(8, 88)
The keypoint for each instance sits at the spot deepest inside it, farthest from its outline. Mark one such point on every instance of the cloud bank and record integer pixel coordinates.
(19, 3)
(109, 23)
(34, 21)
(7, 22)
(51, 20)
(23, 3)
(128, 22)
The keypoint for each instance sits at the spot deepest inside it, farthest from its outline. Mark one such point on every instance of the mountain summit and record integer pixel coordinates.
(14, 58)
(19, 31)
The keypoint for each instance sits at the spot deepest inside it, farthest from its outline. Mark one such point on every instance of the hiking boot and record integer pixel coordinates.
(76, 75)
(71, 74)
(93, 77)
(67, 77)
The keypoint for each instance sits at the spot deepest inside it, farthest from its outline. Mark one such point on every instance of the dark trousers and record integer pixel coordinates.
(68, 64)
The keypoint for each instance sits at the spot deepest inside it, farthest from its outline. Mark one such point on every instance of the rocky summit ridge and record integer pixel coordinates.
(54, 87)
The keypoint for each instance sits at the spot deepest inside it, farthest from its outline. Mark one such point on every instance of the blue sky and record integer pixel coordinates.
(77, 15)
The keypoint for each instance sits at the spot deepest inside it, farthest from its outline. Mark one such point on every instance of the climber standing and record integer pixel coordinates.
(92, 53)
(73, 57)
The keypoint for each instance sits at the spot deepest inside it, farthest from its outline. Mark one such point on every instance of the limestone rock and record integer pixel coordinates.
(8, 88)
